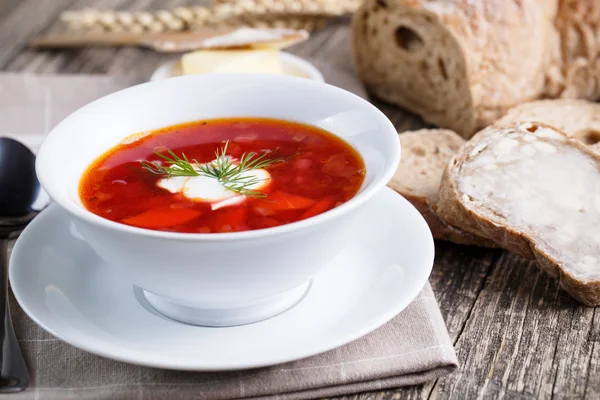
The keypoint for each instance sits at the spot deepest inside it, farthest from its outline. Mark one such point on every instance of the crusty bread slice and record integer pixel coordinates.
(459, 64)
(425, 154)
(579, 119)
(535, 192)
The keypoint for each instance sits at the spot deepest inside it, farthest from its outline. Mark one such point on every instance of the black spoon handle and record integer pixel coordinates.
(13, 371)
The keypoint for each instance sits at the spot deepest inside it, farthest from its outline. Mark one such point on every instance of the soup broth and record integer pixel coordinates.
(222, 175)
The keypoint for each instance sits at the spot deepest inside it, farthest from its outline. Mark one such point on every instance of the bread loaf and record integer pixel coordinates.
(536, 192)
(459, 64)
(576, 71)
(425, 154)
(462, 64)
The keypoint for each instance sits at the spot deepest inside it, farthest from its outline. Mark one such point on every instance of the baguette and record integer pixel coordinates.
(515, 185)
(425, 154)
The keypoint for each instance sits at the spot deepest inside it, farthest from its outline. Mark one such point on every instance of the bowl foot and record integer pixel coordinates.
(227, 316)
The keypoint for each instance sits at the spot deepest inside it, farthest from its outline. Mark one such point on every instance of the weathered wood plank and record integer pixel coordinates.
(139, 62)
(27, 19)
(49, 61)
(573, 352)
(458, 276)
(89, 61)
(311, 47)
(6, 7)
(525, 338)
(592, 387)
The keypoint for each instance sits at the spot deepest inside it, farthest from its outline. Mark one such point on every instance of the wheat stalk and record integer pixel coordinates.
(298, 14)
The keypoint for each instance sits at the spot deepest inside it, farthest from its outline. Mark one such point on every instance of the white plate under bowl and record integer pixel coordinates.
(292, 65)
(63, 286)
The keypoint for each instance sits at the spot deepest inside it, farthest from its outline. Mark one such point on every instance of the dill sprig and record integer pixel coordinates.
(230, 174)
(178, 166)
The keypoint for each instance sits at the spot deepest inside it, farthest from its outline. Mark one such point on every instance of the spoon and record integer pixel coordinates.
(21, 199)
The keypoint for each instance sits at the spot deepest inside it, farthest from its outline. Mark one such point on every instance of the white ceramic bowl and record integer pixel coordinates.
(225, 278)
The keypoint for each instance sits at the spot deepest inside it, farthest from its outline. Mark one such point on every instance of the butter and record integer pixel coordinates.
(267, 61)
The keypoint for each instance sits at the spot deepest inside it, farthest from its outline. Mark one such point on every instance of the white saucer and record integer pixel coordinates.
(292, 64)
(63, 286)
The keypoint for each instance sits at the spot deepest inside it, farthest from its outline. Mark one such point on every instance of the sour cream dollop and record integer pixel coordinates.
(209, 189)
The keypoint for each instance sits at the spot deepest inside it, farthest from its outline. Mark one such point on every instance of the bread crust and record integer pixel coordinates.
(425, 155)
(579, 119)
(461, 214)
(441, 230)
(575, 73)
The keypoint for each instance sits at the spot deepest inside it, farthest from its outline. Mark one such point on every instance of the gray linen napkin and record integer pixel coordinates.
(409, 350)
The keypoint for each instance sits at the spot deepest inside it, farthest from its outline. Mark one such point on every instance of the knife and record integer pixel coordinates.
(175, 42)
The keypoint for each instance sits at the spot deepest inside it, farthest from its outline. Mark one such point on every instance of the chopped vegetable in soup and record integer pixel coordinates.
(222, 175)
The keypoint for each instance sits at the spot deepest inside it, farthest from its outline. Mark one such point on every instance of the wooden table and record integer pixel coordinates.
(516, 334)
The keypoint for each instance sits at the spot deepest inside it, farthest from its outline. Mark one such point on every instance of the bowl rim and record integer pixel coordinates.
(165, 70)
(355, 202)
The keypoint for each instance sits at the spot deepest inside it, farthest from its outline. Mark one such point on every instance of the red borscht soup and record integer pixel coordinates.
(222, 175)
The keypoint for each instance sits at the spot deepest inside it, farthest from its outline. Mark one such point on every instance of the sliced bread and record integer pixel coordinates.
(425, 154)
(536, 192)
(579, 119)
